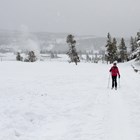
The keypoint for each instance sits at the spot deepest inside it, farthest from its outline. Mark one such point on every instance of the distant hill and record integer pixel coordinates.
(53, 41)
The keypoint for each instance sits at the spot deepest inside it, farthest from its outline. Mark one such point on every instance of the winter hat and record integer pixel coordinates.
(115, 63)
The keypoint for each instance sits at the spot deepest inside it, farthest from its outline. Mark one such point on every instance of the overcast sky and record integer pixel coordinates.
(83, 17)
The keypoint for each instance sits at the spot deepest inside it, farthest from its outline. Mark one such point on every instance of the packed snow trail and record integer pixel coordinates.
(119, 119)
(59, 101)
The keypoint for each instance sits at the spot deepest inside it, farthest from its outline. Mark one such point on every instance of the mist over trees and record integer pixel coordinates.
(107, 48)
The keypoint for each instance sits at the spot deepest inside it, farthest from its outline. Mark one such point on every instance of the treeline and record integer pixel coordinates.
(118, 51)
(114, 51)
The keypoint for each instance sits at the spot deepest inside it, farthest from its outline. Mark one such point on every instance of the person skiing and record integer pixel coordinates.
(114, 73)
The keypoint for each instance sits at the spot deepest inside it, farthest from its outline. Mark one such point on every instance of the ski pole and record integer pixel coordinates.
(119, 83)
(108, 81)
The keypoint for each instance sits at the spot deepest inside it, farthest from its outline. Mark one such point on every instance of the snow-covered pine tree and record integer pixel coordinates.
(123, 51)
(133, 47)
(31, 56)
(138, 46)
(96, 59)
(18, 57)
(135, 43)
(114, 50)
(132, 44)
(108, 46)
(111, 49)
(138, 35)
(72, 53)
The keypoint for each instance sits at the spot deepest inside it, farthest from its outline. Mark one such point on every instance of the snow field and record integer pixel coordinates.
(59, 101)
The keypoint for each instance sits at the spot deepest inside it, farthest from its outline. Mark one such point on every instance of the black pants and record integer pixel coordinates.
(114, 81)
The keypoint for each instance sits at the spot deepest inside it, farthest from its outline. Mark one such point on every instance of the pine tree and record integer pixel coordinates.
(135, 47)
(138, 36)
(138, 45)
(132, 44)
(18, 57)
(123, 50)
(111, 46)
(72, 53)
(31, 56)
(96, 58)
(114, 50)
(108, 47)
(135, 43)
(109, 42)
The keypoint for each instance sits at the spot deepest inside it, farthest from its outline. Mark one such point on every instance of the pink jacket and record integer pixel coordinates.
(114, 71)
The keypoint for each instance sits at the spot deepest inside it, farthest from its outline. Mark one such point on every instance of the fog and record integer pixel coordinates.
(82, 17)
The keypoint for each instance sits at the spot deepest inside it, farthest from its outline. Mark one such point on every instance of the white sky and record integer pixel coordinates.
(96, 17)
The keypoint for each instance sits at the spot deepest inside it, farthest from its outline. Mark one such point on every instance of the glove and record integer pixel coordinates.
(119, 76)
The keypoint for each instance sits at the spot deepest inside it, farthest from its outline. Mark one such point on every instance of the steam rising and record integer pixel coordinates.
(27, 42)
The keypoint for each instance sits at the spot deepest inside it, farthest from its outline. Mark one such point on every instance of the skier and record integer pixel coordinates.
(114, 72)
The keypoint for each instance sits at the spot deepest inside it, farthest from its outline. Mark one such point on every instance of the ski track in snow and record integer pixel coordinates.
(119, 119)
(61, 101)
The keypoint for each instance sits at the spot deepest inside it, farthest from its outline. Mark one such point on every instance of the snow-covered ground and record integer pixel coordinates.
(62, 101)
